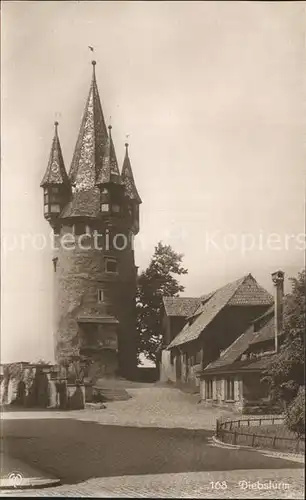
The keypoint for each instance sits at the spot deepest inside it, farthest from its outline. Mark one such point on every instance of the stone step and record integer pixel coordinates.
(112, 394)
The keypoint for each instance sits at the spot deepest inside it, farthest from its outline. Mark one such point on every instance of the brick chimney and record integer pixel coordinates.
(278, 282)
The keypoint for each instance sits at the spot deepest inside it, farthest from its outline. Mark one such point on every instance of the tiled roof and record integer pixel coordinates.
(56, 172)
(251, 293)
(128, 179)
(180, 306)
(223, 296)
(89, 150)
(206, 313)
(255, 364)
(235, 350)
(83, 204)
(267, 332)
(248, 338)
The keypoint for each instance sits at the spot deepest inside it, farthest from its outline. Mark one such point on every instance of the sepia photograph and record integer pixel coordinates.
(153, 249)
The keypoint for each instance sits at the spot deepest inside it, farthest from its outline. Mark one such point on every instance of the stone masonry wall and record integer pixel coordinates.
(78, 277)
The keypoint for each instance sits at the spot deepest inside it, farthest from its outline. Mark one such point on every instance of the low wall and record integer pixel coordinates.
(147, 374)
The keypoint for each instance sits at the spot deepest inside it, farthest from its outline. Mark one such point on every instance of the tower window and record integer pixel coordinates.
(80, 228)
(55, 208)
(111, 266)
(104, 207)
(100, 296)
(116, 208)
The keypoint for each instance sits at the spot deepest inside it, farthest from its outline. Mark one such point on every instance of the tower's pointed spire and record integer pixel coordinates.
(110, 170)
(89, 150)
(128, 178)
(56, 172)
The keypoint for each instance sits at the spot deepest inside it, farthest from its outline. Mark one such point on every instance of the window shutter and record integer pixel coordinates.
(222, 390)
(236, 389)
(214, 389)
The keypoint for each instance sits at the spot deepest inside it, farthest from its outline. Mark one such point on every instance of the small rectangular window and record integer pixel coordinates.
(229, 389)
(55, 209)
(46, 209)
(55, 189)
(209, 389)
(100, 296)
(104, 207)
(116, 208)
(46, 198)
(111, 266)
(54, 198)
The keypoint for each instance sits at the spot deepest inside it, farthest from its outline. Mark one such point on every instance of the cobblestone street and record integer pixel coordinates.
(149, 407)
(158, 443)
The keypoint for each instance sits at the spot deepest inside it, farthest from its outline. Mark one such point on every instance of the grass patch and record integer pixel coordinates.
(275, 436)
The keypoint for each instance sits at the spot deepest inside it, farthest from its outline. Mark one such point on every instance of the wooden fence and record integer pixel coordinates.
(231, 431)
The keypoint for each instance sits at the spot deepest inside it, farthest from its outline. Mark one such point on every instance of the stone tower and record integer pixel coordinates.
(94, 214)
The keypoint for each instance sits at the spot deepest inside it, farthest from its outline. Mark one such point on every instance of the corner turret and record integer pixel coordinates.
(55, 183)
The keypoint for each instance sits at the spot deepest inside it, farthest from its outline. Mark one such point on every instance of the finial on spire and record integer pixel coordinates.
(55, 126)
(94, 70)
(127, 145)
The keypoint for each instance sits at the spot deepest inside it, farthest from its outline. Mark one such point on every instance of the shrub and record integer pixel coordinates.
(295, 413)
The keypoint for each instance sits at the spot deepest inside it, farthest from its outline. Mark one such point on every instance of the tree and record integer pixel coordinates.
(157, 281)
(285, 374)
(295, 414)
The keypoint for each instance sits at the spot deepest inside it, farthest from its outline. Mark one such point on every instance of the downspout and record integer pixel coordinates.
(278, 282)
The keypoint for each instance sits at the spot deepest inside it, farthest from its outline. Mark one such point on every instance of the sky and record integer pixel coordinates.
(211, 96)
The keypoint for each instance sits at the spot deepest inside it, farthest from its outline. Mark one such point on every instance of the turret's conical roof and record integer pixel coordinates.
(128, 179)
(55, 172)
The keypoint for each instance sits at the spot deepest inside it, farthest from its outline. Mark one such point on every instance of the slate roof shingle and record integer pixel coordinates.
(55, 172)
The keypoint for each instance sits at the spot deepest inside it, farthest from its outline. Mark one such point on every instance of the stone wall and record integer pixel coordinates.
(79, 275)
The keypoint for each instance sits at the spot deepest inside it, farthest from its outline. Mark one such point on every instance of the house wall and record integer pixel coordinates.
(248, 389)
(219, 393)
(167, 370)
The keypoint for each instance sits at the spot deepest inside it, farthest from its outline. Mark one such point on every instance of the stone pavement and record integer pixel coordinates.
(284, 483)
(16, 473)
(168, 408)
(149, 407)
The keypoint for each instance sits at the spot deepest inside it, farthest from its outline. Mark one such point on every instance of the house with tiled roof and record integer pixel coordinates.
(175, 312)
(235, 379)
(217, 321)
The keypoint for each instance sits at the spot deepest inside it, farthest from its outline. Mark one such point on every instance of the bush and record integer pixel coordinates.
(295, 413)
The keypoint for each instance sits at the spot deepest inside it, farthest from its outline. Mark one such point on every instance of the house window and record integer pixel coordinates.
(229, 389)
(111, 266)
(209, 389)
(100, 296)
(104, 207)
